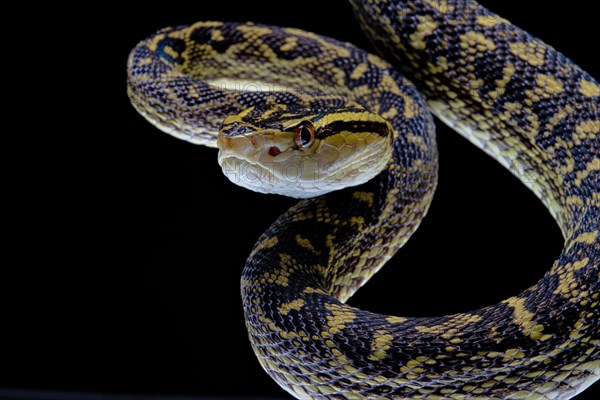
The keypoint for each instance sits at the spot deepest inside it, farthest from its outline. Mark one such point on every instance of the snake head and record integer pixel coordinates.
(303, 152)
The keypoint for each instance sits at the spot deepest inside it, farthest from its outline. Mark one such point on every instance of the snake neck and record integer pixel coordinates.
(316, 255)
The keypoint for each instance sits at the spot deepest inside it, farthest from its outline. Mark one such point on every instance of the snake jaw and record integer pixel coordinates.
(348, 147)
(249, 160)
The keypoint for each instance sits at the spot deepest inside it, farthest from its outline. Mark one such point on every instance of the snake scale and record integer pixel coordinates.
(510, 94)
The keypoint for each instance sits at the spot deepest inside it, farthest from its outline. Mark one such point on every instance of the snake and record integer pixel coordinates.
(352, 135)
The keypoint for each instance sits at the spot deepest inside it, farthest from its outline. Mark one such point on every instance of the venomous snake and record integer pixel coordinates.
(510, 94)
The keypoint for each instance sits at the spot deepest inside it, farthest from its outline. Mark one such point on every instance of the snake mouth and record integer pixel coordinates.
(267, 162)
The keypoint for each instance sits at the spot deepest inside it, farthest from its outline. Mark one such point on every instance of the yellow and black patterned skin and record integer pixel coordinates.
(513, 96)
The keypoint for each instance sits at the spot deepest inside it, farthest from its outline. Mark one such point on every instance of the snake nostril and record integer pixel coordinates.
(274, 151)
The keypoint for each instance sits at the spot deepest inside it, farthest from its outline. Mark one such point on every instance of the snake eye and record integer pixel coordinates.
(305, 135)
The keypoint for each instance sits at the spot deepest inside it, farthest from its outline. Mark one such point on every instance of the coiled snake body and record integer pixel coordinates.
(518, 99)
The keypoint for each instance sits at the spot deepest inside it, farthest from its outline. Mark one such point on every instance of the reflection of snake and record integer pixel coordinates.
(510, 94)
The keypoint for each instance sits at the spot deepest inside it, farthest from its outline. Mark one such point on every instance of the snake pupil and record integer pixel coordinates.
(305, 135)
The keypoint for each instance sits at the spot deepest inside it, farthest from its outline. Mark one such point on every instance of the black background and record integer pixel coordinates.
(124, 286)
